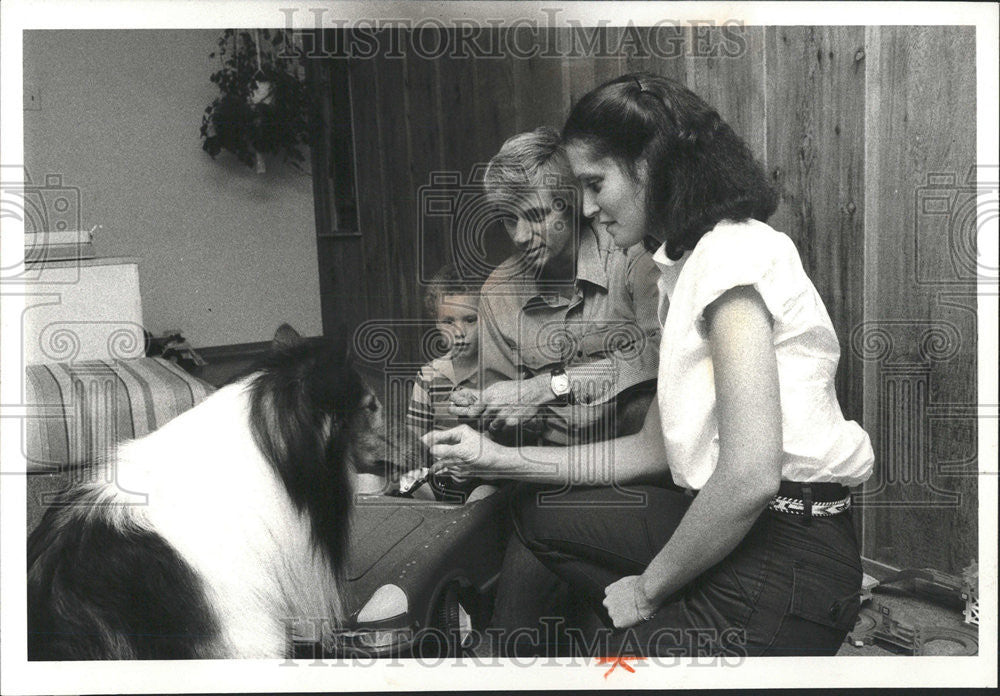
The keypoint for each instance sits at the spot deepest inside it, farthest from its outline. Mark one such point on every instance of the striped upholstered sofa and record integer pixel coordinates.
(78, 412)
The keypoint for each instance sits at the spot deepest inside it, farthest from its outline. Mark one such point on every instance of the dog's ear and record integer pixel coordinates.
(286, 337)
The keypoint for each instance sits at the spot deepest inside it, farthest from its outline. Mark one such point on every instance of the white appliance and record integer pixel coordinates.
(83, 309)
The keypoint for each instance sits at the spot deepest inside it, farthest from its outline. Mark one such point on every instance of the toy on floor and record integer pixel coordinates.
(970, 593)
(934, 582)
(876, 623)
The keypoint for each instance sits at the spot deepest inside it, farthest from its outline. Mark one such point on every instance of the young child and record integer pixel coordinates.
(453, 304)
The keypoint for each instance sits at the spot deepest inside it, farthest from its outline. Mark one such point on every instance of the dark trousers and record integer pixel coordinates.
(789, 588)
(528, 596)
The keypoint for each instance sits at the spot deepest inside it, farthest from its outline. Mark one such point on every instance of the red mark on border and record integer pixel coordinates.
(616, 661)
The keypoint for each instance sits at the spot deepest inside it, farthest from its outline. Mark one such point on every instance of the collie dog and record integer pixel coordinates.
(242, 532)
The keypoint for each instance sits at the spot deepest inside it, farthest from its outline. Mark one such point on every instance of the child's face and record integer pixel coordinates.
(458, 321)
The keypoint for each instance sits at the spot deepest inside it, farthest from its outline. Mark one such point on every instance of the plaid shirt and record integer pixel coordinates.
(606, 334)
(432, 391)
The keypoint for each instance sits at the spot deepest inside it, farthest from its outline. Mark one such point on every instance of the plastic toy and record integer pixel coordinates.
(877, 624)
(420, 575)
(970, 593)
(934, 582)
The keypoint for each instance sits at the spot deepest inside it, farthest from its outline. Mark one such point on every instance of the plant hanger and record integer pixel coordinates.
(262, 93)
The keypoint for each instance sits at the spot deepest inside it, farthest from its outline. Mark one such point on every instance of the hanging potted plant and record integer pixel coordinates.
(263, 102)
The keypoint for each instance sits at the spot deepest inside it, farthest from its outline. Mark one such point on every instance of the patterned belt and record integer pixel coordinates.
(796, 506)
(824, 499)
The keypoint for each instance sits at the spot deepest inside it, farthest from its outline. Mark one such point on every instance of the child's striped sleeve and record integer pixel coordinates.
(420, 414)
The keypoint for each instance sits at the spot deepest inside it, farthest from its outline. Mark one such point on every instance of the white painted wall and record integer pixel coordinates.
(226, 254)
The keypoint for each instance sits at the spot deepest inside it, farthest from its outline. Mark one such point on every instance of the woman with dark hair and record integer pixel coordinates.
(751, 550)
(696, 170)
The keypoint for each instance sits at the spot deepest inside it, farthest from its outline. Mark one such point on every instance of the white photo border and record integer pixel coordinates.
(18, 676)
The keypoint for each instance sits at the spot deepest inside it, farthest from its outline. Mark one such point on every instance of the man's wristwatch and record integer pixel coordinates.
(560, 386)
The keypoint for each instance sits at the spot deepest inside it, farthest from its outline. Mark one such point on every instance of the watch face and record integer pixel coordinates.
(560, 384)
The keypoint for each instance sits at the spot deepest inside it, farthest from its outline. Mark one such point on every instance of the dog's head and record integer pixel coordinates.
(316, 421)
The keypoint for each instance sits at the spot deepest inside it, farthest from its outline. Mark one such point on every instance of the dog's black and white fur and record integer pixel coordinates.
(243, 530)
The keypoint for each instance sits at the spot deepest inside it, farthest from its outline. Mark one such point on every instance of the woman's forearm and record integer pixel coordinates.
(748, 471)
(717, 520)
(576, 463)
(631, 457)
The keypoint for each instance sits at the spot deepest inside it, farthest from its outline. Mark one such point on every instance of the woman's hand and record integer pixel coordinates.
(627, 603)
(462, 452)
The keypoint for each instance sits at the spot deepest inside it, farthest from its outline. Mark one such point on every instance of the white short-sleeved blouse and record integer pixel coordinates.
(818, 443)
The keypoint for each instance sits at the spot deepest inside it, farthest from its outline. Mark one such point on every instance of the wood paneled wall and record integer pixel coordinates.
(856, 127)
(919, 338)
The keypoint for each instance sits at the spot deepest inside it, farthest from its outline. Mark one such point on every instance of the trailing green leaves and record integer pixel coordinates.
(262, 105)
